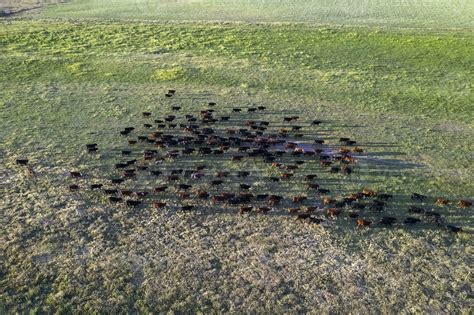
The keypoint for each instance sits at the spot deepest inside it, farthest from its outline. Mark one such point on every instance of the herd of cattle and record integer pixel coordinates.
(199, 159)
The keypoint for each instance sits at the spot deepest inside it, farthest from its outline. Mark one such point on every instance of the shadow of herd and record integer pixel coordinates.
(205, 135)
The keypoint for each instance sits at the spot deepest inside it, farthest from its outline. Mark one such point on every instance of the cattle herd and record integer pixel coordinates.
(207, 159)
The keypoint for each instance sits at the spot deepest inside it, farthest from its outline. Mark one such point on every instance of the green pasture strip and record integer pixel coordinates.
(400, 13)
(425, 74)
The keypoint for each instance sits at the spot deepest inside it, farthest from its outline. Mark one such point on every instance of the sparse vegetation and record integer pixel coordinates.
(403, 93)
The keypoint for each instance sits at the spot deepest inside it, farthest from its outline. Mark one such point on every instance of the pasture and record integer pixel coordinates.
(410, 13)
(389, 77)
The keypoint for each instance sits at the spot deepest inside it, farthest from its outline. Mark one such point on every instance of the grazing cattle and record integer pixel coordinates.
(293, 210)
(356, 196)
(287, 175)
(132, 142)
(377, 205)
(384, 196)
(170, 118)
(313, 186)
(216, 199)
(216, 182)
(432, 214)
(236, 110)
(176, 108)
(333, 212)
(454, 229)
(140, 194)
(274, 200)
(245, 186)
(222, 174)
(237, 158)
(245, 209)
(172, 177)
(411, 220)
(302, 216)
(368, 192)
(262, 196)
(187, 208)
(328, 201)
(117, 180)
(323, 191)
(418, 197)
(316, 122)
(357, 150)
(311, 208)
(363, 222)
(227, 195)
(96, 186)
(111, 191)
(188, 151)
(263, 209)
(388, 220)
(115, 199)
(315, 220)
(184, 186)
(464, 204)
(346, 169)
(73, 187)
(75, 174)
(299, 199)
(310, 177)
(441, 201)
(414, 209)
(133, 203)
(325, 163)
(158, 204)
(160, 189)
(202, 194)
(183, 195)
(243, 174)
(197, 175)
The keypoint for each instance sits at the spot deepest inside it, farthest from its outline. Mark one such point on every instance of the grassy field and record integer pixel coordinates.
(404, 94)
(413, 13)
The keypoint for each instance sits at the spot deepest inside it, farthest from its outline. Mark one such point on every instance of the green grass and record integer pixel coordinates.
(412, 13)
(404, 94)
